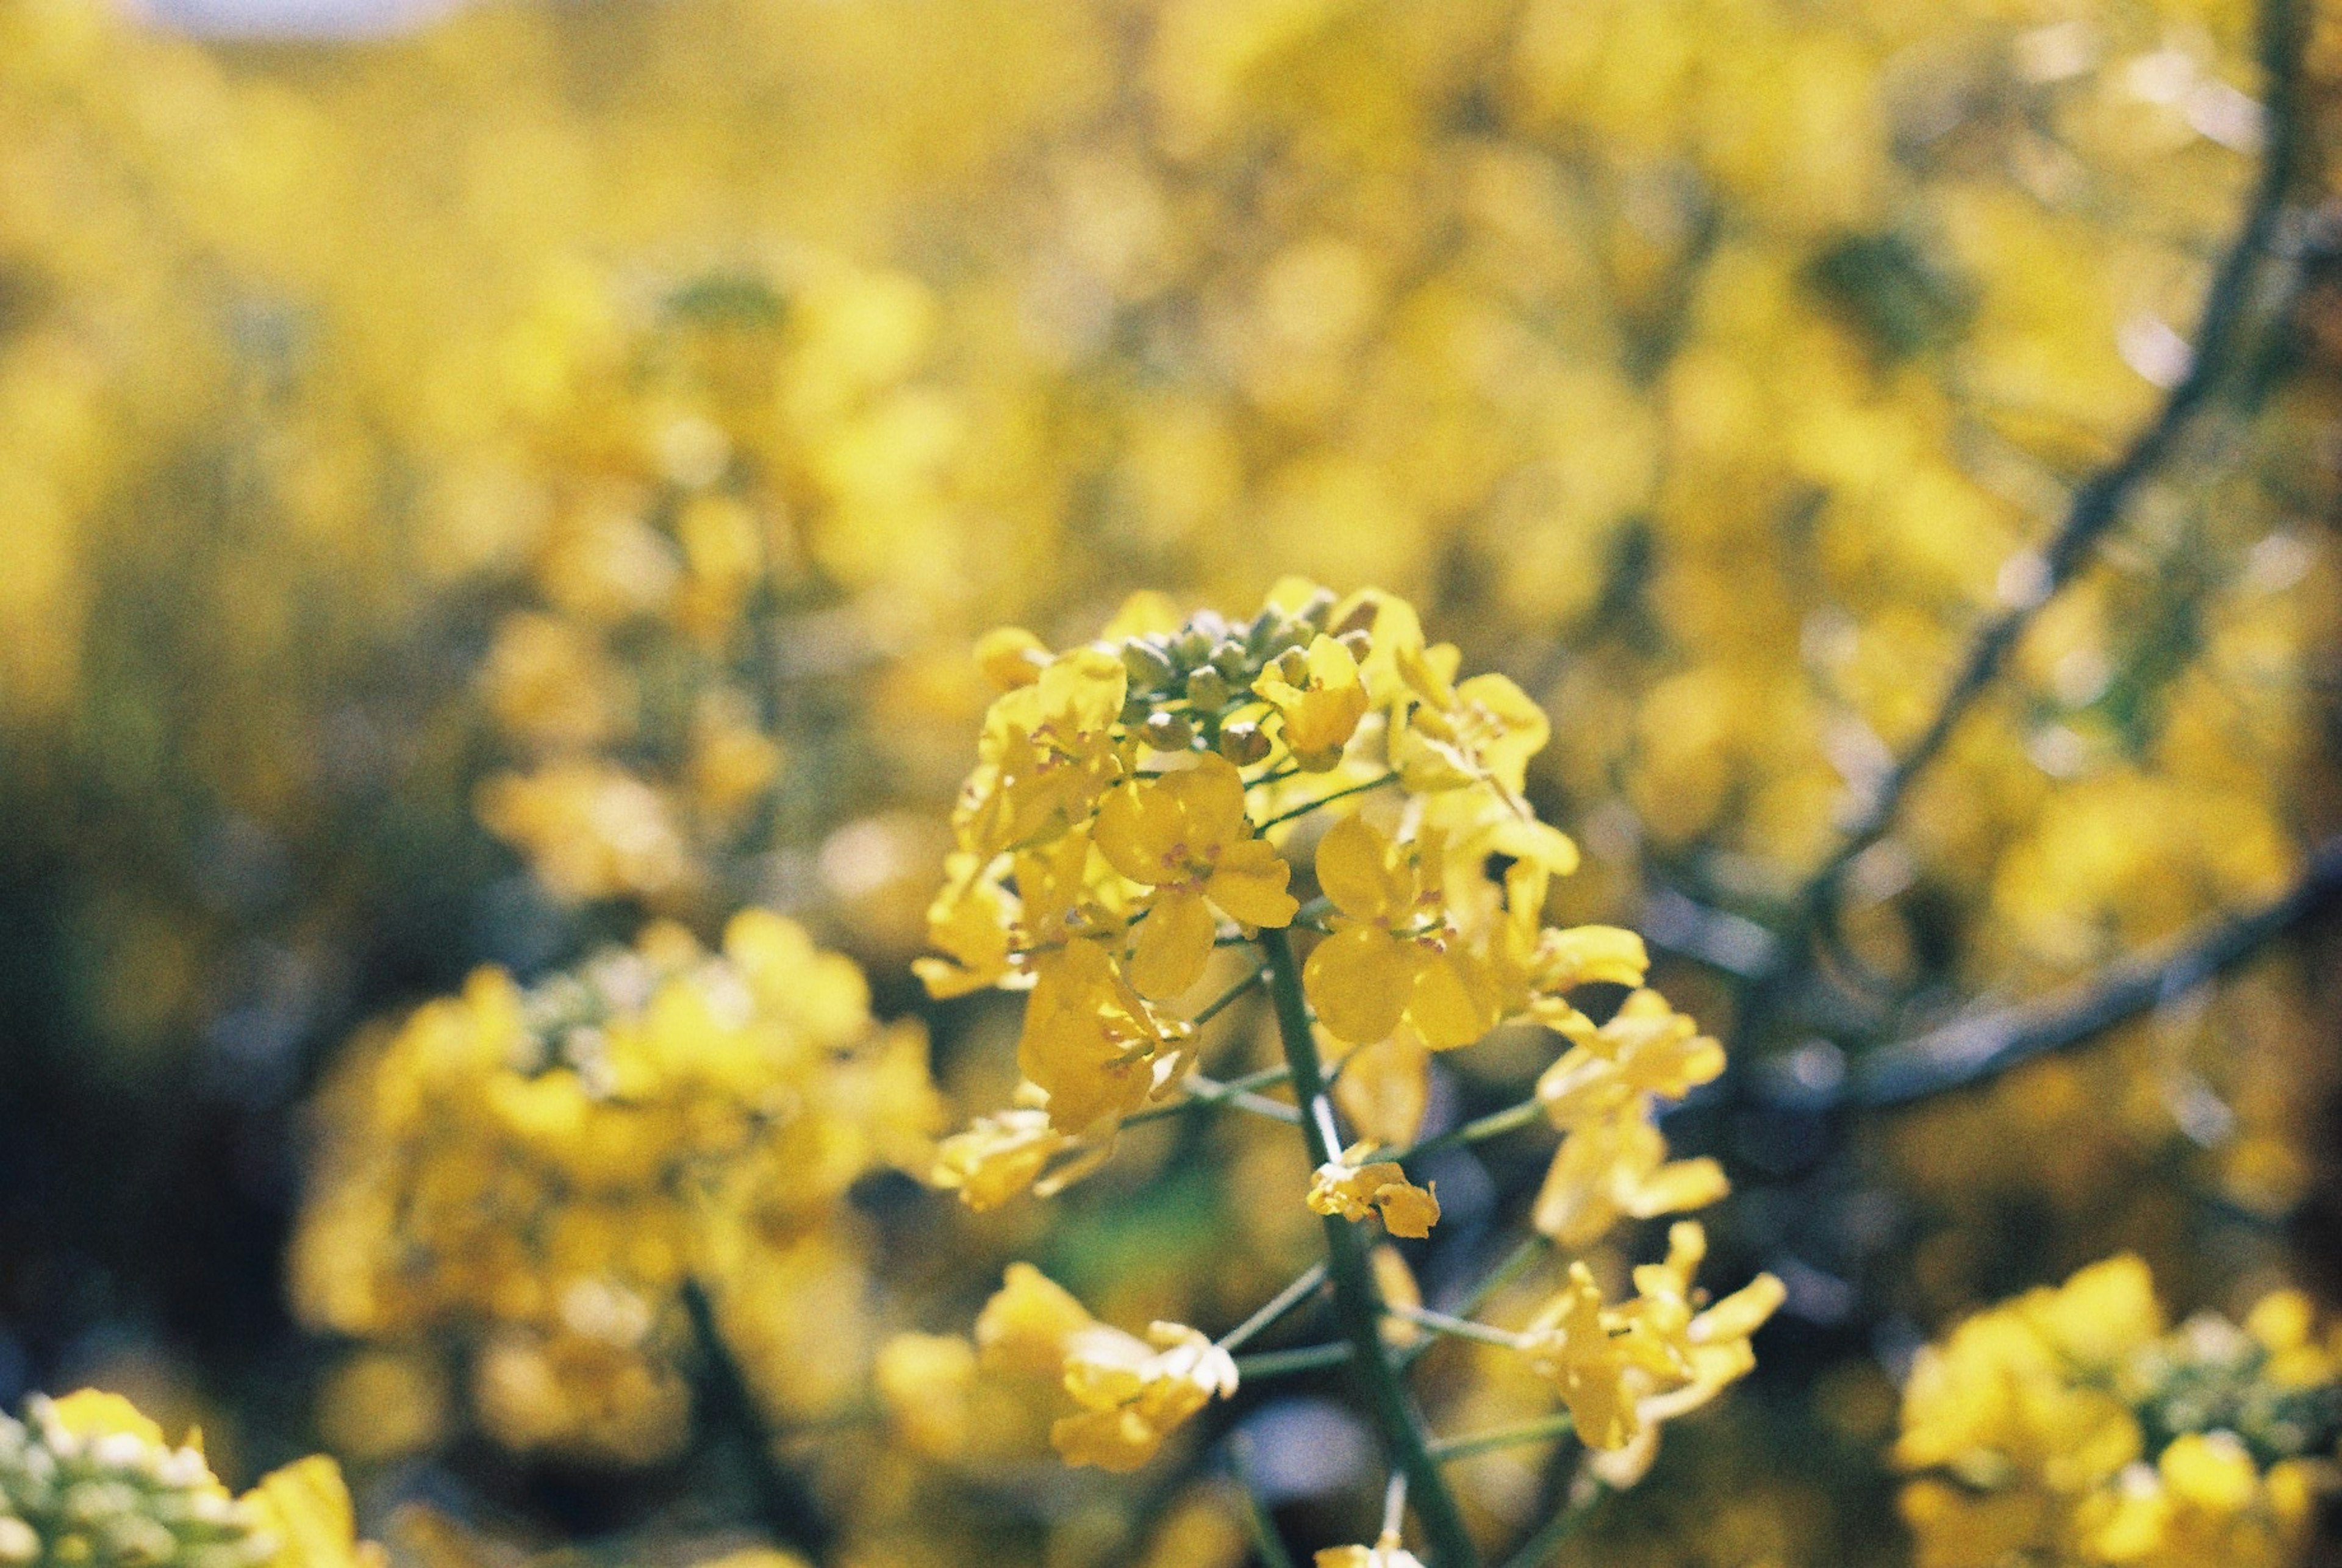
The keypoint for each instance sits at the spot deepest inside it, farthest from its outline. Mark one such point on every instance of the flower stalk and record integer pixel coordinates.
(1357, 1303)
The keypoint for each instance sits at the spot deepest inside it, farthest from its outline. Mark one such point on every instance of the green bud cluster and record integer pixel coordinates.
(113, 1501)
(1188, 688)
(2212, 1376)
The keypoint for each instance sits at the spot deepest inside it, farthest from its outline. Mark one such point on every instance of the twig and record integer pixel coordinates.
(1458, 1328)
(783, 1505)
(1496, 1124)
(1305, 809)
(1267, 1363)
(1538, 1550)
(1988, 1044)
(1312, 1280)
(1264, 1537)
(2097, 505)
(1542, 1430)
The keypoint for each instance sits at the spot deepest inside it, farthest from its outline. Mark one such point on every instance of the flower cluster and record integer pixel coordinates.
(88, 1481)
(2069, 1426)
(1144, 801)
(544, 1168)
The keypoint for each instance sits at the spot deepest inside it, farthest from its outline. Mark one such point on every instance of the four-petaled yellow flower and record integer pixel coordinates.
(998, 1156)
(1351, 1190)
(1133, 1393)
(1321, 710)
(1646, 1048)
(1616, 1166)
(1392, 954)
(1186, 835)
(1090, 1041)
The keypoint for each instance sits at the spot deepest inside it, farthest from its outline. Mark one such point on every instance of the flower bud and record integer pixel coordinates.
(1243, 743)
(1293, 667)
(1169, 733)
(1207, 689)
(1148, 664)
(1359, 642)
(1229, 659)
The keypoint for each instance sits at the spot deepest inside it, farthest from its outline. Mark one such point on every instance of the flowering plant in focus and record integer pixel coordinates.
(1312, 802)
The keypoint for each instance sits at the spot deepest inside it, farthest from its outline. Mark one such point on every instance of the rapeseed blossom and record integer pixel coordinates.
(2071, 1425)
(538, 1173)
(1141, 803)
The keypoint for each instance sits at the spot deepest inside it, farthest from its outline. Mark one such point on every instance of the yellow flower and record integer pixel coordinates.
(924, 1381)
(1047, 750)
(1392, 954)
(1011, 657)
(1386, 1552)
(1133, 1393)
(1090, 1041)
(1352, 1191)
(1570, 1345)
(972, 922)
(1025, 1326)
(1616, 1166)
(1646, 1048)
(999, 1156)
(1484, 731)
(1321, 710)
(1186, 835)
(305, 1508)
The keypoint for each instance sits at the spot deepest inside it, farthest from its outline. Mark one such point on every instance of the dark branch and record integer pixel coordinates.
(1988, 1044)
(736, 1420)
(2222, 341)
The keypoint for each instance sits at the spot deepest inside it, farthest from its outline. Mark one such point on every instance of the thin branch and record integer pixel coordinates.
(1264, 1537)
(1988, 1044)
(2221, 340)
(1538, 1550)
(1228, 998)
(1267, 1363)
(1312, 1280)
(1495, 1125)
(1304, 810)
(1203, 1093)
(1212, 1091)
(784, 1507)
(1544, 1429)
(1457, 1327)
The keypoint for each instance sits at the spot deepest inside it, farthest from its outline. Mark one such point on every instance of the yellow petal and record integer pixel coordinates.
(1451, 1005)
(1353, 868)
(1359, 981)
(1174, 943)
(1249, 882)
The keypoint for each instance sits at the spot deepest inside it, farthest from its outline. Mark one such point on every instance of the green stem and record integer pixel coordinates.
(1312, 1280)
(1268, 1363)
(1542, 1430)
(1538, 1550)
(1459, 1328)
(1357, 1303)
(1495, 1125)
(1329, 799)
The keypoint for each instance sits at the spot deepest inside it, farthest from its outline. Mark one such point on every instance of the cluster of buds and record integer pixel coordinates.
(1191, 689)
(87, 1482)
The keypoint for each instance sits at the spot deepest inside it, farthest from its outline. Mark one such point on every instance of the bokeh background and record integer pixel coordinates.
(473, 479)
